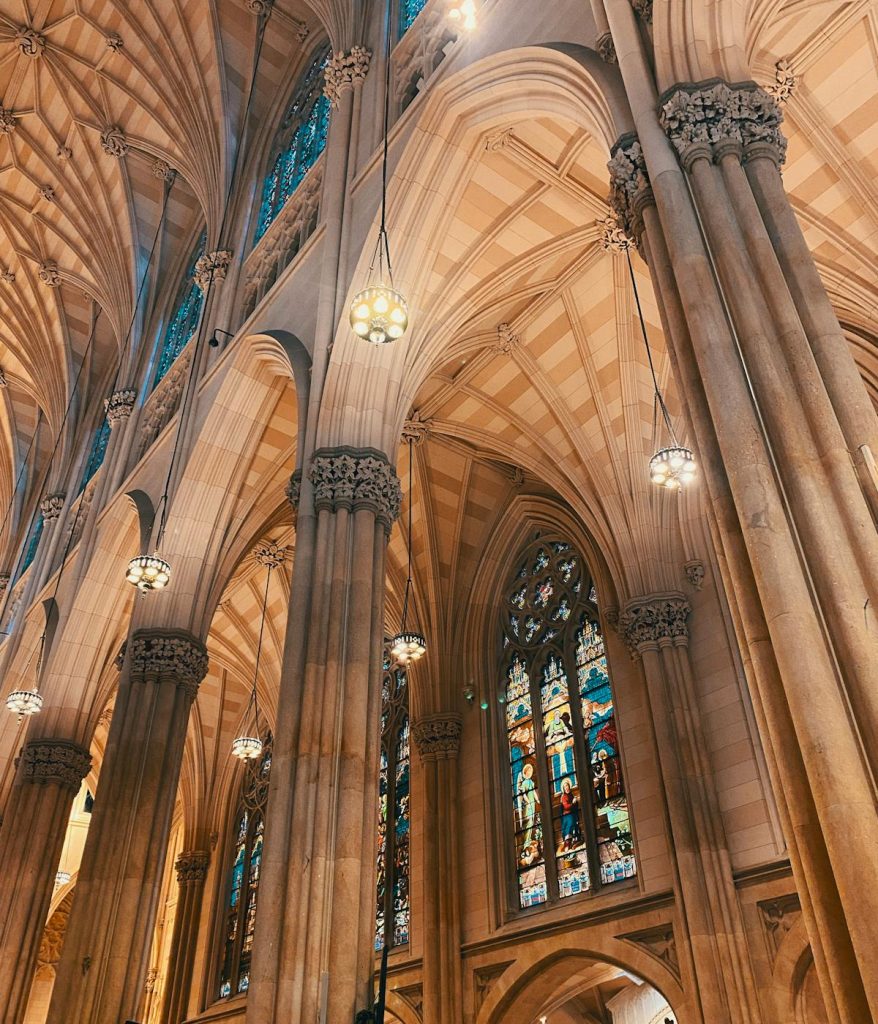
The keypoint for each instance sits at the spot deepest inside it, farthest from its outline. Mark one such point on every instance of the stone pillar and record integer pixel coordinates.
(102, 971)
(655, 629)
(191, 873)
(48, 777)
(437, 738)
(313, 955)
(119, 407)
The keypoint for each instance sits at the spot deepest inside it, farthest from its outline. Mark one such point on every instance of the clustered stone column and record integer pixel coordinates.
(656, 632)
(191, 873)
(48, 776)
(103, 968)
(781, 420)
(437, 739)
(313, 956)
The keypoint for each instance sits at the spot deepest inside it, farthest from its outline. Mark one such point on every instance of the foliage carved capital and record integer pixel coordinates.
(437, 737)
(343, 70)
(51, 507)
(212, 266)
(157, 655)
(60, 762)
(630, 189)
(113, 142)
(353, 479)
(120, 404)
(192, 866)
(659, 620)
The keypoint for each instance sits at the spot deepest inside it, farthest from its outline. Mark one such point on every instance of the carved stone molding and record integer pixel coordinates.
(7, 121)
(63, 152)
(694, 573)
(152, 977)
(113, 142)
(120, 404)
(258, 7)
(507, 338)
(8, 277)
(114, 42)
(485, 977)
(437, 737)
(5, 577)
(192, 866)
(714, 118)
(355, 478)
(643, 10)
(30, 42)
(415, 429)
(613, 238)
(52, 941)
(659, 943)
(630, 190)
(343, 70)
(499, 139)
(51, 506)
(607, 48)
(784, 84)
(212, 266)
(294, 490)
(778, 917)
(159, 654)
(162, 170)
(655, 621)
(269, 554)
(47, 192)
(49, 274)
(60, 762)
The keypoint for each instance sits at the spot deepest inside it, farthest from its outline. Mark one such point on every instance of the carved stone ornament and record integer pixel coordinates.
(152, 976)
(784, 84)
(30, 42)
(694, 573)
(7, 121)
(4, 382)
(60, 762)
(162, 170)
(52, 941)
(630, 189)
(416, 429)
(613, 238)
(212, 266)
(499, 140)
(49, 274)
(437, 737)
(192, 866)
(643, 10)
(269, 554)
(47, 192)
(51, 506)
(114, 42)
(294, 489)
(660, 943)
(113, 142)
(8, 276)
(5, 577)
(607, 48)
(63, 152)
(259, 6)
(355, 478)
(656, 621)
(778, 917)
(343, 70)
(709, 120)
(507, 338)
(120, 405)
(158, 654)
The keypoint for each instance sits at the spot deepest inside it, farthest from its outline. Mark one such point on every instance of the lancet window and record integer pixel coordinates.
(300, 141)
(184, 319)
(569, 809)
(393, 910)
(243, 881)
(96, 454)
(33, 542)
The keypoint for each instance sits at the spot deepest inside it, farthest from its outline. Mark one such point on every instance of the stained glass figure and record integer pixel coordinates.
(300, 140)
(97, 453)
(567, 787)
(184, 319)
(244, 874)
(393, 898)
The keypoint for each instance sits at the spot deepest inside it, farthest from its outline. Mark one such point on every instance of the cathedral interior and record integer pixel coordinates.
(438, 557)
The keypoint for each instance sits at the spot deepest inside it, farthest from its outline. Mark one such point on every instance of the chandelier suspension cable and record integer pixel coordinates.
(247, 746)
(408, 644)
(254, 694)
(382, 234)
(408, 582)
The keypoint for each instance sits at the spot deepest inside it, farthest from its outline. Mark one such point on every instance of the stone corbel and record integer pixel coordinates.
(630, 189)
(437, 737)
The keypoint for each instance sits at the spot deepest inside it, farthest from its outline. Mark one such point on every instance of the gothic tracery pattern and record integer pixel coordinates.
(569, 808)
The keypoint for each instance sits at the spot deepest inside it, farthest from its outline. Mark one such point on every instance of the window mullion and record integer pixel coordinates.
(243, 900)
(390, 834)
(545, 789)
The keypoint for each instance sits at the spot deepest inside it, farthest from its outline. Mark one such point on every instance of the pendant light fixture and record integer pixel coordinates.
(408, 644)
(25, 703)
(248, 746)
(673, 466)
(463, 11)
(379, 313)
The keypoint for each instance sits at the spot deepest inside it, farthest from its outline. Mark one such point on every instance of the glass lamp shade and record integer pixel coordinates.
(672, 467)
(61, 878)
(247, 747)
(24, 702)
(148, 572)
(408, 646)
(379, 314)
(463, 11)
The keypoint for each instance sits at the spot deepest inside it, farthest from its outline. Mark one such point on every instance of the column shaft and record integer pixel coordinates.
(191, 873)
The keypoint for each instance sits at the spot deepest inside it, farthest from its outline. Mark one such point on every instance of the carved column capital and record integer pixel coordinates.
(343, 70)
(356, 478)
(61, 762)
(607, 48)
(49, 274)
(120, 405)
(113, 142)
(659, 620)
(437, 737)
(212, 266)
(415, 429)
(630, 189)
(711, 119)
(192, 866)
(7, 121)
(51, 507)
(156, 655)
(643, 10)
(269, 554)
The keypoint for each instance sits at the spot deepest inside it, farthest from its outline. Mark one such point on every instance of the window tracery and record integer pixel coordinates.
(185, 317)
(301, 139)
(571, 826)
(393, 902)
(244, 875)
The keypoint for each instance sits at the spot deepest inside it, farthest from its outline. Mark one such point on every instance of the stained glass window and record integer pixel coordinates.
(97, 453)
(408, 11)
(244, 874)
(571, 828)
(300, 141)
(393, 902)
(33, 542)
(185, 317)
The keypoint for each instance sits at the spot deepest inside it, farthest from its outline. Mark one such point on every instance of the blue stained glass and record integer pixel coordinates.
(97, 453)
(186, 315)
(302, 138)
(408, 11)
(32, 544)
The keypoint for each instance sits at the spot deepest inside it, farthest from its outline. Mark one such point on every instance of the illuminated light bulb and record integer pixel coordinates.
(24, 702)
(672, 467)
(379, 314)
(247, 747)
(148, 572)
(408, 646)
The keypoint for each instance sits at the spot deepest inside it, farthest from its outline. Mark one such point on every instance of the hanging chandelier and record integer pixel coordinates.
(148, 572)
(61, 878)
(674, 465)
(379, 313)
(408, 644)
(24, 703)
(463, 11)
(248, 747)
